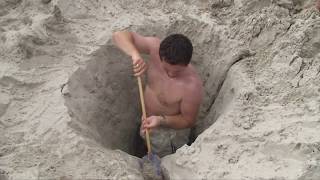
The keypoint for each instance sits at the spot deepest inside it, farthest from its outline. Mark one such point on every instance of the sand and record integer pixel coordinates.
(69, 103)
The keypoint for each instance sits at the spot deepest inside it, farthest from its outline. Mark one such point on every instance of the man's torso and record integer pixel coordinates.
(163, 94)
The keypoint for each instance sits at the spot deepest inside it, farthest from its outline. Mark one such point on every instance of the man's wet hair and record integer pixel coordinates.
(176, 49)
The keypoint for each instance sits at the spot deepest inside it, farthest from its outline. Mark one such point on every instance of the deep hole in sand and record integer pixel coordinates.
(103, 97)
(103, 101)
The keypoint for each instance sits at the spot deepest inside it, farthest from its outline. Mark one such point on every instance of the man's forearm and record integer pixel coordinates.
(176, 122)
(124, 40)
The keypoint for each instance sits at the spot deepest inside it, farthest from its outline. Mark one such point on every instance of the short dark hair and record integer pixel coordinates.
(176, 49)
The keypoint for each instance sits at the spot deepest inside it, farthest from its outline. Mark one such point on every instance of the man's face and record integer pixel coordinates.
(172, 71)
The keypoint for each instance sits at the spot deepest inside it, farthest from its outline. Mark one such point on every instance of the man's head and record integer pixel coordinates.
(175, 53)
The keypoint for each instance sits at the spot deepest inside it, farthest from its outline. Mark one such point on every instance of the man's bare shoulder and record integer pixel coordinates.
(154, 49)
(155, 44)
(193, 87)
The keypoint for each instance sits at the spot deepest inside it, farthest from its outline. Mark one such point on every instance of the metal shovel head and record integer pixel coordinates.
(151, 167)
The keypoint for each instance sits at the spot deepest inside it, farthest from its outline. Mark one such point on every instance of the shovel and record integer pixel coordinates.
(149, 164)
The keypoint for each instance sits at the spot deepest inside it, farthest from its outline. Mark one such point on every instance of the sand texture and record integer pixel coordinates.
(69, 104)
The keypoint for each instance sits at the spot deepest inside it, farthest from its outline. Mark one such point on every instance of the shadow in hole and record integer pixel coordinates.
(139, 145)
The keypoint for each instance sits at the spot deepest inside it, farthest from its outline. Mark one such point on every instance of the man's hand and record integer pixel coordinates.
(150, 123)
(139, 66)
(318, 5)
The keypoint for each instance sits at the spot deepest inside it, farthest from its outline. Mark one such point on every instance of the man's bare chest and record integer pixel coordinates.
(167, 92)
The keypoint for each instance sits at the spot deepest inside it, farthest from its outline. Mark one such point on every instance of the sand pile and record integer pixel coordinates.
(69, 103)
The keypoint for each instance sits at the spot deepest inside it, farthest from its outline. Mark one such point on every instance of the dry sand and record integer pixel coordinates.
(69, 103)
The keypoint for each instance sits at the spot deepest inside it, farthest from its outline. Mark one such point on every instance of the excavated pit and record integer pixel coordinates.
(103, 100)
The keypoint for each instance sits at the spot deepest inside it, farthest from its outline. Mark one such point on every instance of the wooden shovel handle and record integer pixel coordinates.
(144, 114)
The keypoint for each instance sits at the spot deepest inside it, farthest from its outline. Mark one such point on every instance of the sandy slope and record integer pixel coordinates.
(62, 105)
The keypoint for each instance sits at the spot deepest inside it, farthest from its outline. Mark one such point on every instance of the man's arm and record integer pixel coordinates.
(189, 108)
(177, 121)
(132, 43)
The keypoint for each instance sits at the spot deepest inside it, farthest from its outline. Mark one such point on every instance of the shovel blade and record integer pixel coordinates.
(151, 167)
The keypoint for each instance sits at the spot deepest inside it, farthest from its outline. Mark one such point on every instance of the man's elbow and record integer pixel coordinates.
(117, 34)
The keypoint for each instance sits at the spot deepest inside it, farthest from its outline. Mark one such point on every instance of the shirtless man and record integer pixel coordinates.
(173, 91)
